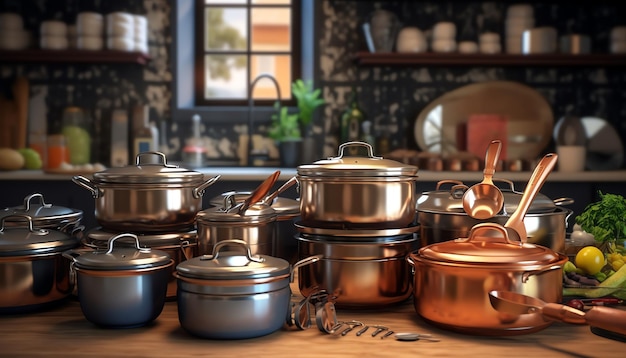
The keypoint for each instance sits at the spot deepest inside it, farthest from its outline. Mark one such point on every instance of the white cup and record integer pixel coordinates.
(411, 39)
(571, 158)
(540, 40)
(444, 31)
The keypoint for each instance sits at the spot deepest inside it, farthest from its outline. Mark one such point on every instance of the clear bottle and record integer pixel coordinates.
(77, 135)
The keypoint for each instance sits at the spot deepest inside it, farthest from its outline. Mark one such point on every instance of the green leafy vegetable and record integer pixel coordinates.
(605, 219)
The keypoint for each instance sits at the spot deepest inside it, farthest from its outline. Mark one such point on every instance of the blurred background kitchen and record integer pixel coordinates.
(166, 84)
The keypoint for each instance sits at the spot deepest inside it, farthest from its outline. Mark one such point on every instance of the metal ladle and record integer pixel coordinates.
(484, 200)
(259, 193)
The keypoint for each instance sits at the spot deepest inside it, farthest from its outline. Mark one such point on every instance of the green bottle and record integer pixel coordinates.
(351, 122)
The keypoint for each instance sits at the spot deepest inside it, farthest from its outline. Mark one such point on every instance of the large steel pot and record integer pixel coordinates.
(121, 286)
(33, 273)
(452, 281)
(256, 226)
(180, 246)
(147, 197)
(230, 295)
(44, 215)
(368, 273)
(357, 191)
(441, 216)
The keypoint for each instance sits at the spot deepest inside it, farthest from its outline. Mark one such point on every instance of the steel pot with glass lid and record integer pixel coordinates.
(151, 196)
(357, 191)
(121, 286)
(34, 273)
(233, 294)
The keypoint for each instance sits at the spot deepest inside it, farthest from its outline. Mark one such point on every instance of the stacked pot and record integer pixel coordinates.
(153, 200)
(359, 213)
(32, 240)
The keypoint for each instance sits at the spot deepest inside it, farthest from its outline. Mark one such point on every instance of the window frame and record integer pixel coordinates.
(183, 58)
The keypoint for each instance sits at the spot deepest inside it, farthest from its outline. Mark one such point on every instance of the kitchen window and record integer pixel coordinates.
(222, 45)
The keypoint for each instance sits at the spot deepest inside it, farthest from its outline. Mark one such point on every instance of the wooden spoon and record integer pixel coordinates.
(259, 193)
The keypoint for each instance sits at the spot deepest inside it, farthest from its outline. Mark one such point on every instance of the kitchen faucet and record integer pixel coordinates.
(251, 104)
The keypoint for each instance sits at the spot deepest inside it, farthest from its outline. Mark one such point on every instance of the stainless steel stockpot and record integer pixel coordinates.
(179, 246)
(45, 215)
(441, 216)
(453, 279)
(359, 191)
(34, 274)
(147, 197)
(234, 294)
(368, 273)
(256, 226)
(121, 286)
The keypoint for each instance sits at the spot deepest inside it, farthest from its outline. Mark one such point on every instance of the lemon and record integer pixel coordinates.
(32, 160)
(590, 259)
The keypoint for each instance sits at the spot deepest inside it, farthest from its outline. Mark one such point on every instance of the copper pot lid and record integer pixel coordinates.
(233, 265)
(150, 168)
(22, 239)
(357, 166)
(42, 213)
(118, 257)
(489, 244)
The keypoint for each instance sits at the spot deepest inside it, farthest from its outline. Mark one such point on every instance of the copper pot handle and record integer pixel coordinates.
(478, 228)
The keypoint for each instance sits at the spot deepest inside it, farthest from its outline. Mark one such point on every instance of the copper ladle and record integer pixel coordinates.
(259, 193)
(484, 200)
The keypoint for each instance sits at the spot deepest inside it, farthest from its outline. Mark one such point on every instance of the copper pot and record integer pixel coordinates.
(453, 279)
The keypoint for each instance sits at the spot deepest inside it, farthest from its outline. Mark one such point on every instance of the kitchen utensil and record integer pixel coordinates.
(35, 276)
(269, 199)
(234, 295)
(364, 274)
(517, 304)
(257, 194)
(121, 286)
(345, 233)
(484, 200)
(407, 336)
(441, 216)
(529, 117)
(44, 215)
(360, 192)
(515, 224)
(147, 197)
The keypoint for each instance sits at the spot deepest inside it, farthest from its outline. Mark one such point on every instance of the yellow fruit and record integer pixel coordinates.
(617, 264)
(590, 259)
(10, 159)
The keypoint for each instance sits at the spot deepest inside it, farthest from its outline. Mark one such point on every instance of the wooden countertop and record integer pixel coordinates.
(64, 332)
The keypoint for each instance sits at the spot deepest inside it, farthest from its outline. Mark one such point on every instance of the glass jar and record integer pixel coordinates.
(77, 135)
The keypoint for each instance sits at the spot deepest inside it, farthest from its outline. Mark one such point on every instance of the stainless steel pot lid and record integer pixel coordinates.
(22, 239)
(450, 200)
(255, 214)
(233, 265)
(339, 231)
(41, 213)
(353, 166)
(154, 171)
(489, 244)
(116, 257)
(100, 238)
(283, 207)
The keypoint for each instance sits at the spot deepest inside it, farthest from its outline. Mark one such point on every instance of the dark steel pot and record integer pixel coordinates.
(33, 273)
(179, 246)
(357, 191)
(120, 286)
(453, 279)
(368, 273)
(230, 295)
(441, 216)
(45, 215)
(147, 197)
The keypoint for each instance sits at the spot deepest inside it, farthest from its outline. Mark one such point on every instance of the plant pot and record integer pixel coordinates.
(290, 153)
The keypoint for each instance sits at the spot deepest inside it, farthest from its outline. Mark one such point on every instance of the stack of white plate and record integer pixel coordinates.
(489, 43)
(53, 35)
(141, 33)
(13, 36)
(444, 37)
(89, 29)
(520, 17)
(127, 32)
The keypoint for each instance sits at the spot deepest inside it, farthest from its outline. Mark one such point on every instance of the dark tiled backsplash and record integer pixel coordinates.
(391, 97)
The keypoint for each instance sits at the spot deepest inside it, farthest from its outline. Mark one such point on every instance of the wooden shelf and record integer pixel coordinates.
(456, 59)
(73, 56)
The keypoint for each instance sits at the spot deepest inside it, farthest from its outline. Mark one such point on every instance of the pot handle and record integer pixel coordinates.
(116, 237)
(218, 246)
(199, 191)
(476, 229)
(563, 201)
(26, 218)
(370, 150)
(30, 197)
(306, 261)
(159, 154)
(87, 184)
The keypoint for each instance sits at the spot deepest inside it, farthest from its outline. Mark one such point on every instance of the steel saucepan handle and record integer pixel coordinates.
(370, 150)
(199, 191)
(87, 184)
(221, 244)
(30, 197)
(305, 261)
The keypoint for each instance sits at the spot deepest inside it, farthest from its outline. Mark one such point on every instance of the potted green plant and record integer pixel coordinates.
(287, 127)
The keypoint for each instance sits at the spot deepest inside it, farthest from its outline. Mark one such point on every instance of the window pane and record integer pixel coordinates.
(279, 66)
(226, 77)
(226, 29)
(271, 29)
